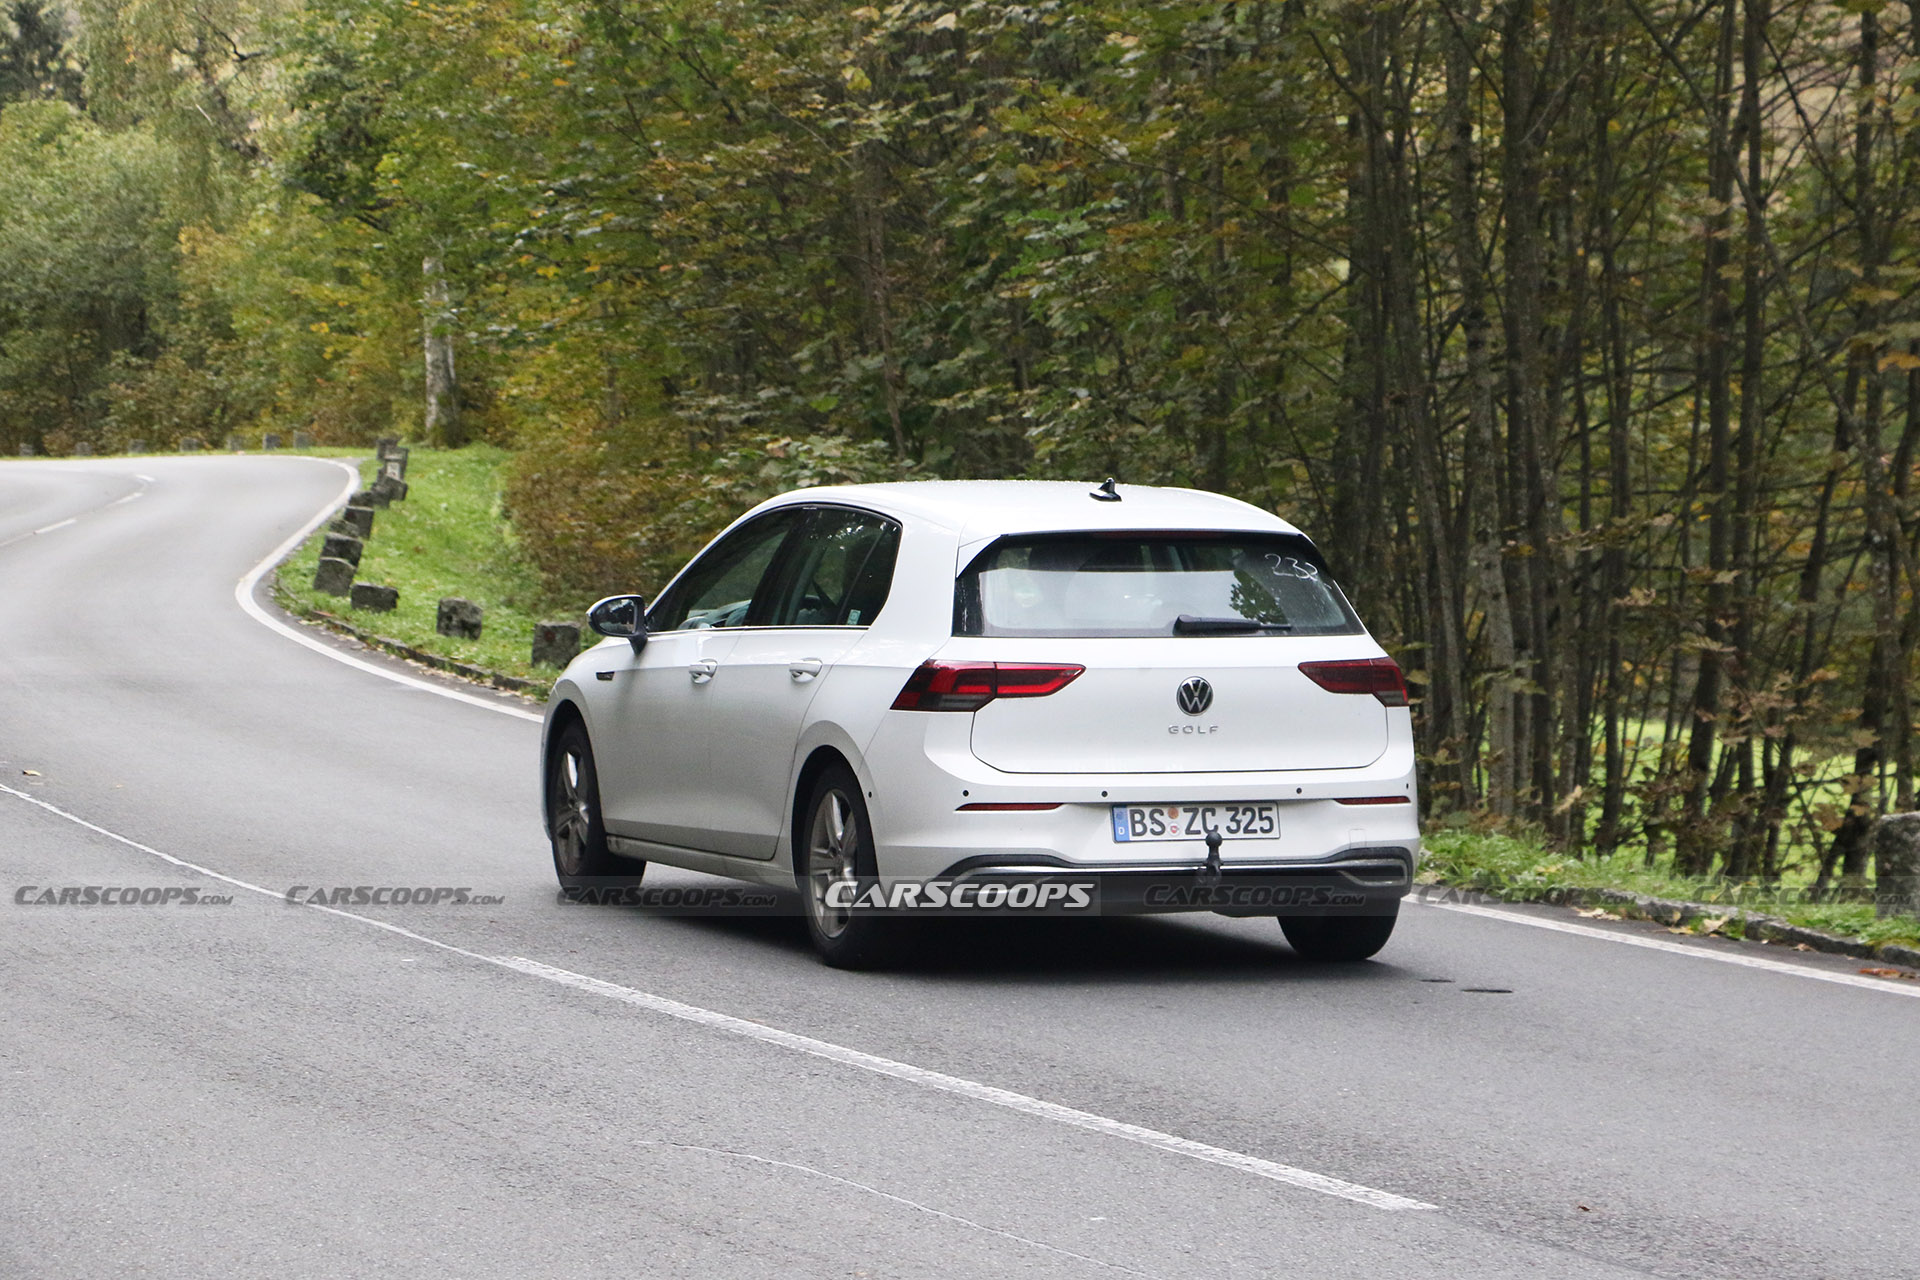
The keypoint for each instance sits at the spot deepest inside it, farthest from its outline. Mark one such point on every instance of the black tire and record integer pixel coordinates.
(587, 870)
(836, 841)
(1343, 938)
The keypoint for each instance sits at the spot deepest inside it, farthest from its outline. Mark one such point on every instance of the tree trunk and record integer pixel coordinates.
(445, 425)
(1698, 843)
(1481, 487)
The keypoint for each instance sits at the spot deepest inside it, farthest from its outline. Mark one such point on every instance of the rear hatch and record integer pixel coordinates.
(1123, 715)
(1191, 645)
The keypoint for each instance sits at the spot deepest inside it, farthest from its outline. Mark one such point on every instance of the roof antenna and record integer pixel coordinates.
(1105, 493)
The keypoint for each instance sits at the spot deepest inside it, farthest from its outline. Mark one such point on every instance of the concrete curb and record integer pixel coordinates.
(530, 689)
(1755, 925)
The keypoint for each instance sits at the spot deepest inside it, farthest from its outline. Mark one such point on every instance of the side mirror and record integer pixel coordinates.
(622, 617)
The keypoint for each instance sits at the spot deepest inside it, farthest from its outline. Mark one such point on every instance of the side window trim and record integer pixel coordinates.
(792, 556)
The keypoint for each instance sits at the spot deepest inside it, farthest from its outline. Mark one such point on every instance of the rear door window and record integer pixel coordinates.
(1150, 584)
(839, 572)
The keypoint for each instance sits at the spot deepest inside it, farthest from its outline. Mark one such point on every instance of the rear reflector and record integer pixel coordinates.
(1374, 799)
(1377, 676)
(968, 686)
(1006, 808)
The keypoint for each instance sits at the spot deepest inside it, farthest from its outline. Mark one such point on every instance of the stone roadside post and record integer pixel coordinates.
(555, 643)
(1896, 865)
(355, 520)
(373, 598)
(333, 576)
(458, 618)
(343, 546)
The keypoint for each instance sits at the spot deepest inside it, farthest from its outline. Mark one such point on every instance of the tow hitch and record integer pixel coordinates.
(1210, 869)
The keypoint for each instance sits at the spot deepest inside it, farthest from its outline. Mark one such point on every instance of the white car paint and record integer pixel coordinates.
(705, 773)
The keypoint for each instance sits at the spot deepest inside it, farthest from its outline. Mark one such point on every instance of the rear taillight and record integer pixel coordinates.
(968, 686)
(1377, 676)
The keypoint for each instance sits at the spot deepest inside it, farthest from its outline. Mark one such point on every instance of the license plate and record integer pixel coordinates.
(1253, 821)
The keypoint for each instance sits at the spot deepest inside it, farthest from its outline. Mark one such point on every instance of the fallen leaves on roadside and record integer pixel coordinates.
(1905, 974)
(31, 773)
(1801, 946)
(1598, 913)
(1714, 925)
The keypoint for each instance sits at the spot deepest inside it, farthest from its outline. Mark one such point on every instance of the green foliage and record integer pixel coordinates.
(87, 271)
(1523, 869)
(448, 538)
(35, 61)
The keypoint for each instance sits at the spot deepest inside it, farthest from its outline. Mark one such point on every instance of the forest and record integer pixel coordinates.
(1582, 335)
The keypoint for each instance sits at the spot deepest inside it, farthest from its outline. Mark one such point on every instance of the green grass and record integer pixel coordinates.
(1518, 868)
(449, 537)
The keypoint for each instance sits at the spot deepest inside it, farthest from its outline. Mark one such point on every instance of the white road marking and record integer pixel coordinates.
(714, 1020)
(140, 475)
(53, 528)
(972, 1089)
(243, 593)
(1893, 988)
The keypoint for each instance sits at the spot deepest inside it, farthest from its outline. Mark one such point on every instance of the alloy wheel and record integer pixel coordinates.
(572, 815)
(832, 845)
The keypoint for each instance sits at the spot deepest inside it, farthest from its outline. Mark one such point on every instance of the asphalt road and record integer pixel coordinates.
(528, 1088)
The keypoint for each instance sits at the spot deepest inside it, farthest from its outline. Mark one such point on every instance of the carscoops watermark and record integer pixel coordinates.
(970, 897)
(118, 895)
(389, 895)
(1251, 895)
(676, 899)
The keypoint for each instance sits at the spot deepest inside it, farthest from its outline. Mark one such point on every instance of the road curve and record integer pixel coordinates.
(527, 1088)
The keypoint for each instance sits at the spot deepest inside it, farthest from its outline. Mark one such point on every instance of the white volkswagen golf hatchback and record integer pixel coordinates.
(1157, 693)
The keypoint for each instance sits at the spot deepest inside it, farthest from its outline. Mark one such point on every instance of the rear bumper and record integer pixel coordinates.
(1360, 881)
(924, 775)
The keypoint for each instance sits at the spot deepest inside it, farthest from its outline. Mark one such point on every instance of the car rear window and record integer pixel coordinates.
(1150, 584)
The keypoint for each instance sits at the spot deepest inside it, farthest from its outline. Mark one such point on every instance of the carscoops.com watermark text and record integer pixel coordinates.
(389, 895)
(677, 900)
(118, 895)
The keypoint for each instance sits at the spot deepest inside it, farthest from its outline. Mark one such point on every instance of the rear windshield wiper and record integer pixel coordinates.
(1188, 625)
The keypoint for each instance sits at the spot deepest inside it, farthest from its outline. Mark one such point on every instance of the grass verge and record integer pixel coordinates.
(449, 537)
(1520, 869)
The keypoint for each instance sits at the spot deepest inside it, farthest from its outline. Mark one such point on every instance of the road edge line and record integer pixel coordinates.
(243, 594)
(713, 1019)
(1677, 948)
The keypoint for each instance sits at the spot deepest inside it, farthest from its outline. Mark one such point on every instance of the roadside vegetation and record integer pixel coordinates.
(1584, 335)
(449, 537)
(1525, 868)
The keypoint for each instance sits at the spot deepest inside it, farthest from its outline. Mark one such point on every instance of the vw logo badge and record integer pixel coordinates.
(1195, 695)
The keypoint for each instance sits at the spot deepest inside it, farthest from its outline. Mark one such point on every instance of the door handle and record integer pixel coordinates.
(702, 671)
(804, 669)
